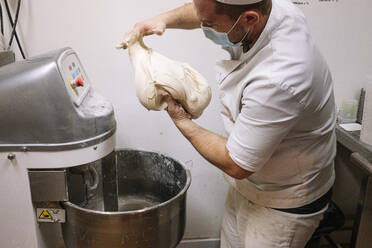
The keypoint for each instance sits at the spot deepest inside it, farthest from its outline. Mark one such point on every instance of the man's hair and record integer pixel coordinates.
(234, 11)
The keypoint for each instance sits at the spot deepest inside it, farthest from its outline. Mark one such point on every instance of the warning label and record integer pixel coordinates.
(52, 215)
(45, 215)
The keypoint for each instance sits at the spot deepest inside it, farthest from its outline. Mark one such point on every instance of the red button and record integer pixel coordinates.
(79, 82)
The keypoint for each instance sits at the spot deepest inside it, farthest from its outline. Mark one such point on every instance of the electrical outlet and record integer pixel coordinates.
(6, 57)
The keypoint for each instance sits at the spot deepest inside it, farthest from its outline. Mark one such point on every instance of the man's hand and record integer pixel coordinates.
(184, 17)
(175, 110)
(155, 25)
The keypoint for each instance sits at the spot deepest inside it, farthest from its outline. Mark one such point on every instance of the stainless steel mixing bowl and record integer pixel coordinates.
(139, 202)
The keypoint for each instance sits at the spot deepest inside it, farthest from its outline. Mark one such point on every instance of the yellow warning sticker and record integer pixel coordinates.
(45, 215)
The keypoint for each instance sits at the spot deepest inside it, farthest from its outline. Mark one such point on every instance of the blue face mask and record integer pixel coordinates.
(221, 38)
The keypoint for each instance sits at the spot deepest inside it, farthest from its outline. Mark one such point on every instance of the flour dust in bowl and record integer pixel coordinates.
(137, 201)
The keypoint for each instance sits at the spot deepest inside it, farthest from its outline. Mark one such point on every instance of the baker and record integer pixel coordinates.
(279, 113)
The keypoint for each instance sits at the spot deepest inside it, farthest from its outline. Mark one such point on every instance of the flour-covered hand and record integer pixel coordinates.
(155, 25)
(175, 110)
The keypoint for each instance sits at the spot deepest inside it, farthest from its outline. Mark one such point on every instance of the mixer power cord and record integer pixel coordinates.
(14, 25)
(1, 20)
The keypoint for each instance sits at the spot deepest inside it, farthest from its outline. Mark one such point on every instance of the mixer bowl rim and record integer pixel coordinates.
(143, 210)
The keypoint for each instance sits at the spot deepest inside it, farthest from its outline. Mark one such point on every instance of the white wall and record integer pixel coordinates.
(92, 28)
(342, 29)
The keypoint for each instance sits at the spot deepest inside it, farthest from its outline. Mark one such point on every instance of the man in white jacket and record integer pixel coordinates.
(279, 113)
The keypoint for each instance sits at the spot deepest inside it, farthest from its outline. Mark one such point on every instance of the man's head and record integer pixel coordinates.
(221, 15)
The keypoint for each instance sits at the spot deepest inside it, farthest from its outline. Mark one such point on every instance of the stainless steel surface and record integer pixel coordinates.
(110, 183)
(351, 140)
(361, 157)
(51, 215)
(151, 194)
(39, 111)
(90, 179)
(6, 57)
(59, 146)
(48, 185)
(362, 163)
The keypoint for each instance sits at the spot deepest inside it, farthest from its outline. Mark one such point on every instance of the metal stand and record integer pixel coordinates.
(361, 157)
(6, 57)
(362, 232)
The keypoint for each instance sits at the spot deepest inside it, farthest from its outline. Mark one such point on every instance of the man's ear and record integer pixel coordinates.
(250, 18)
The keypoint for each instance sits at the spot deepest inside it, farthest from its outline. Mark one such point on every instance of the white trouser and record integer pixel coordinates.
(247, 225)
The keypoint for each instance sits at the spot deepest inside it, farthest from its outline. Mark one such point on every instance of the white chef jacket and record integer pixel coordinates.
(279, 112)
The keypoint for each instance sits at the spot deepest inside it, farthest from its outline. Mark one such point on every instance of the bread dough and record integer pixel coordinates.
(156, 74)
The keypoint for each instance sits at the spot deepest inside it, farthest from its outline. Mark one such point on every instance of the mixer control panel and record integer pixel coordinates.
(76, 81)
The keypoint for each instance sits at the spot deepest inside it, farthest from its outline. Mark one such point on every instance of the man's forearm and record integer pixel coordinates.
(212, 147)
(184, 17)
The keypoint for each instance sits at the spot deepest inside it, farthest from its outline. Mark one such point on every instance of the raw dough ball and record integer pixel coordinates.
(156, 74)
